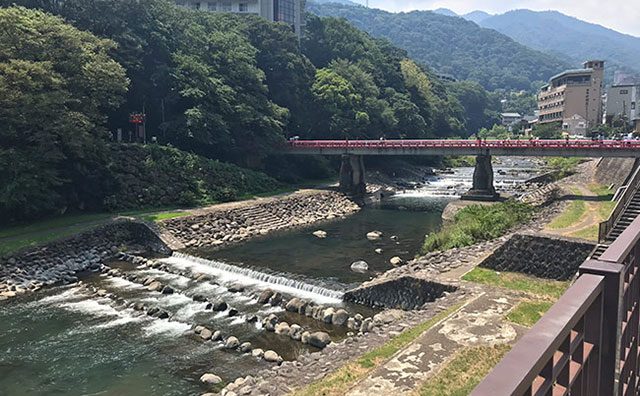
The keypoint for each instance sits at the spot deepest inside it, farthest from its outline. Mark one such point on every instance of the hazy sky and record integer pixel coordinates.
(620, 15)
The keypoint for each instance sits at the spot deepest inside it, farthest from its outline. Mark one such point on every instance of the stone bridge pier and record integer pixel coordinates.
(352, 176)
(482, 189)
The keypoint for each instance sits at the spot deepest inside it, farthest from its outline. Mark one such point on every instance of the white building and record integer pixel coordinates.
(288, 11)
(509, 119)
(623, 100)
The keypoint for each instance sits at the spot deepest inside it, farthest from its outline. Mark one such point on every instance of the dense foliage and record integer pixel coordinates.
(55, 81)
(222, 86)
(477, 223)
(159, 176)
(453, 45)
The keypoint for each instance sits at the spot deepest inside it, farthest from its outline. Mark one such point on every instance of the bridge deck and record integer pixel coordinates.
(557, 148)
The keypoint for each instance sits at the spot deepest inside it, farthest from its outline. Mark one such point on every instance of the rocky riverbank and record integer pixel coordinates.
(58, 262)
(224, 224)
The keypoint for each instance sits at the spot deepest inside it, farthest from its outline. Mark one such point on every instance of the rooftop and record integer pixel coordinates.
(514, 115)
(572, 71)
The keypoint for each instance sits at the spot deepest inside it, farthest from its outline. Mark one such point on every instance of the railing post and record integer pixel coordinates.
(612, 321)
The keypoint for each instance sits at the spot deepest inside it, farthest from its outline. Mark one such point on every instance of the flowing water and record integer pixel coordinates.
(63, 341)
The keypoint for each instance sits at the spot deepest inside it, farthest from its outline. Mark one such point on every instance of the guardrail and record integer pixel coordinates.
(558, 144)
(587, 343)
(632, 187)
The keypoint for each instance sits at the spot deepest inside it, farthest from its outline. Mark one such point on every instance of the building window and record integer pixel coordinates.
(284, 11)
(226, 6)
(195, 6)
(624, 92)
(243, 7)
(633, 105)
(213, 6)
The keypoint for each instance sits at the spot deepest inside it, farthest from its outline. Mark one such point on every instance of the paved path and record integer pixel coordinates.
(479, 322)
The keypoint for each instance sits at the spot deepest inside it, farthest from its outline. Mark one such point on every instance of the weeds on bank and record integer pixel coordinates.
(478, 223)
(550, 289)
(163, 216)
(572, 215)
(528, 312)
(464, 372)
(337, 383)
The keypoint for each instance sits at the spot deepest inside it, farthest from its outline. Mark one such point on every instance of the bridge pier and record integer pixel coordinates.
(483, 189)
(352, 176)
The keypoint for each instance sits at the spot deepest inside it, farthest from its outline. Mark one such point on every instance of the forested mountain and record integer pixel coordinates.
(554, 32)
(225, 87)
(453, 45)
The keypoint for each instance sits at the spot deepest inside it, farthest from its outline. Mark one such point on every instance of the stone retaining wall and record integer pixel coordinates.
(541, 256)
(402, 293)
(58, 261)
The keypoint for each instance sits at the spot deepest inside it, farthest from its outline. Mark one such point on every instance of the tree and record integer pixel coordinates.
(55, 83)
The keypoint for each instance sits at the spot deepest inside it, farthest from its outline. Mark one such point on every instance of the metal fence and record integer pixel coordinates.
(587, 343)
(623, 202)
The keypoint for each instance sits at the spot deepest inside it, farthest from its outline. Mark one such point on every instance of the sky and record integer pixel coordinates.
(620, 15)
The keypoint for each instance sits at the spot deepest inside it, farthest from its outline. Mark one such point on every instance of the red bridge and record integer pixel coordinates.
(352, 172)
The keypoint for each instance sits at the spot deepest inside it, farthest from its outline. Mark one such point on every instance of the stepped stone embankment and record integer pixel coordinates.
(541, 256)
(221, 225)
(58, 262)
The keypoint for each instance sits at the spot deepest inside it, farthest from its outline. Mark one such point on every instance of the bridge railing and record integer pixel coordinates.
(587, 343)
(632, 187)
(558, 144)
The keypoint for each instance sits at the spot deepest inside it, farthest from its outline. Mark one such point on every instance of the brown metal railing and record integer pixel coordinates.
(632, 187)
(587, 343)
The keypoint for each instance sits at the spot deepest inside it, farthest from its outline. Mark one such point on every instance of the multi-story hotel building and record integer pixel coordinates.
(288, 11)
(573, 92)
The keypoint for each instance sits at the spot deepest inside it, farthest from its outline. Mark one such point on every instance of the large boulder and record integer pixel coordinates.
(216, 336)
(210, 379)
(275, 299)
(219, 305)
(245, 347)
(205, 334)
(265, 296)
(270, 322)
(387, 317)
(340, 317)
(232, 343)
(295, 332)
(396, 261)
(360, 266)
(320, 234)
(319, 339)
(257, 353)
(327, 315)
(282, 328)
(271, 356)
(374, 235)
(155, 286)
(296, 305)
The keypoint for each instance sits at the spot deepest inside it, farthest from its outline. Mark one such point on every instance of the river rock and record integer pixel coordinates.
(257, 353)
(155, 286)
(233, 312)
(379, 251)
(320, 234)
(231, 343)
(340, 317)
(271, 356)
(327, 315)
(219, 305)
(270, 322)
(396, 261)
(252, 319)
(295, 332)
(198, 329)
(167, 290)
(265, 296)
(275, 299)
(394, 238)
(245, 347)
(205, 334)
(374, 235)
(296, 305)
(210, 379)
(236, 288)
(216, 336)
(319, 339)
(360, 266)
(282, 328)
(387, 317)
(367, 325)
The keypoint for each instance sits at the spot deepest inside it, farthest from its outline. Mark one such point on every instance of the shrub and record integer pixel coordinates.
(477, 223)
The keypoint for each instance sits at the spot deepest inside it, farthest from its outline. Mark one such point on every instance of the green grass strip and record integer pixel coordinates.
(572, 215)
(164, 216)
(528, 312)
(464, 372)
(19, 243)
(551, 289)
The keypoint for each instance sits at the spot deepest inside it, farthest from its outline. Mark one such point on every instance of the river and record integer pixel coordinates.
(61, 341)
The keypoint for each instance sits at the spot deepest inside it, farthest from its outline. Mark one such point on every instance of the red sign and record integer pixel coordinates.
(137, 118)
